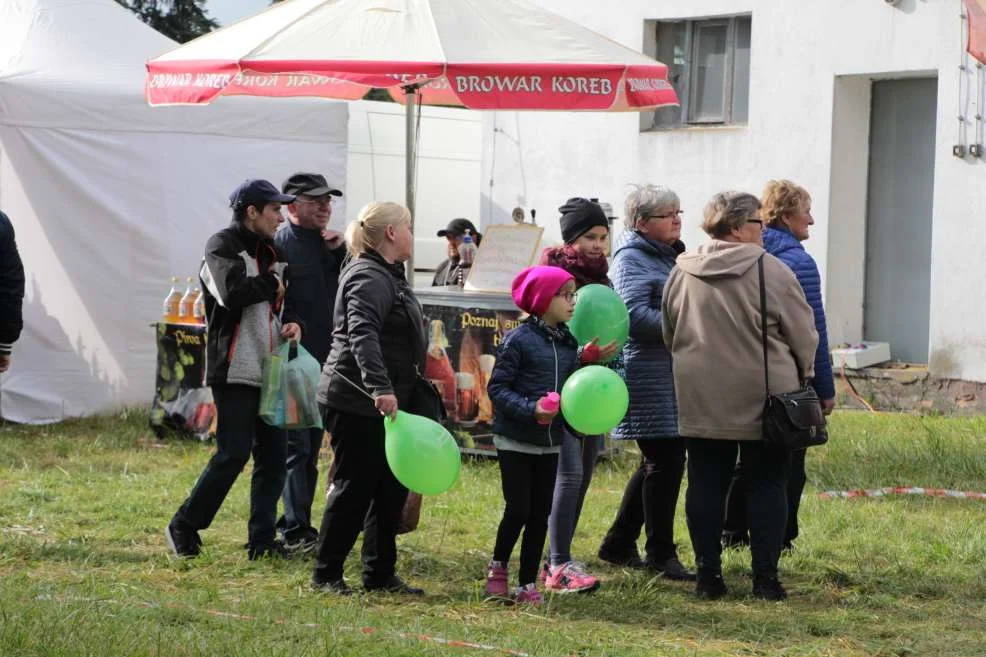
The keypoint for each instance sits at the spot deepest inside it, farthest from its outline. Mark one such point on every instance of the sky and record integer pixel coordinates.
(230, 11)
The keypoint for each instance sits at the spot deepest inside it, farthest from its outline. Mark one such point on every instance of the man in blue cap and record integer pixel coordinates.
(243, 279)
(315, 255)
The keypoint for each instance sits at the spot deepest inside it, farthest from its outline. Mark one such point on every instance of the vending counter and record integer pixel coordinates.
(464, 330)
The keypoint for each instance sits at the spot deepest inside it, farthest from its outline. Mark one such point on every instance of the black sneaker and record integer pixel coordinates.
(335, 586)
(768, 588)
(672, 569)
(628, 559)
(394, 585)
(735, 540)
(710, 587)
(275, 550)
(184, 543)
(303, 544)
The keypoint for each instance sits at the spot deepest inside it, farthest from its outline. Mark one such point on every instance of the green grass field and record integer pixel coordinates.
(84, 569)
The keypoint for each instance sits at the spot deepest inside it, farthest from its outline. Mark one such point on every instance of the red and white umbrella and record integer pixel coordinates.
(479, 54)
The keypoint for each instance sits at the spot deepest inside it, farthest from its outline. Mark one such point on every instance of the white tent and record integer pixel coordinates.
(110, 197)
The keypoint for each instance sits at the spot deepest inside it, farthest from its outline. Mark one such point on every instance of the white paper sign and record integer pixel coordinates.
(505, 251)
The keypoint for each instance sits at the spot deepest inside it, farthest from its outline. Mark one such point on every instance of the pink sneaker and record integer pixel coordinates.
(496, 580)
(528, 595)
(570, 578)
(545, 571)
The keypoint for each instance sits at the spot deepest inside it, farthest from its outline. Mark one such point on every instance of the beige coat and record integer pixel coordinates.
(711, 321)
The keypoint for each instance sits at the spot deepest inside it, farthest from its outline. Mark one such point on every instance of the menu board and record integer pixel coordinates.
(506, 250)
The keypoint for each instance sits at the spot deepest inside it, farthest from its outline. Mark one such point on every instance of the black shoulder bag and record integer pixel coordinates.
(791, 420)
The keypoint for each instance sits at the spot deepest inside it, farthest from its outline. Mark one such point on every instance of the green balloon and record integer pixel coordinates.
(600, 313)
(421, 453)
(594, 400)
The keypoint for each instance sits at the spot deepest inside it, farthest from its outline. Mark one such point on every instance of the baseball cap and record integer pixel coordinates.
(256, 191)
(310, 184)
(458, 228)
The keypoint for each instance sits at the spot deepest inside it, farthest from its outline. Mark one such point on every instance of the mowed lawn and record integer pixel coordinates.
(84, 569)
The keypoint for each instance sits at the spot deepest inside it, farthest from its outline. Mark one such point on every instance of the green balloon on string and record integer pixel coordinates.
(421, 453)
(594, 400)
(601, 314)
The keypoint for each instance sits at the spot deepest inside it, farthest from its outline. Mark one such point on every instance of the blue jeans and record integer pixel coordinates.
(300, 484)
(239, 433)
(576, 463)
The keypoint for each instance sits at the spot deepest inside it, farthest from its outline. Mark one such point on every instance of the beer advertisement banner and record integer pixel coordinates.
(181, 402)
(462, 347)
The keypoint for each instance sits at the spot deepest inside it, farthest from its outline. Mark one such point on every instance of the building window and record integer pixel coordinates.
(709, 65)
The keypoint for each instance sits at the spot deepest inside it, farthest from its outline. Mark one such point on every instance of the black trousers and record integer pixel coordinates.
(650, 500)
(363, 495)
(710, 470)
(528, 482)
(300, 484)
(735, 524)
(239, 433)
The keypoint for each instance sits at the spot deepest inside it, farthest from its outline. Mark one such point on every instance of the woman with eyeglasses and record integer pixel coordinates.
(641, 266)
(711, 321)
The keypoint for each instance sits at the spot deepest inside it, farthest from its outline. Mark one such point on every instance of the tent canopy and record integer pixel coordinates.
(110, 198)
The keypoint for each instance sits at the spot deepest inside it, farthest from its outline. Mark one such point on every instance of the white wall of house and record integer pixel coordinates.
(812, 63)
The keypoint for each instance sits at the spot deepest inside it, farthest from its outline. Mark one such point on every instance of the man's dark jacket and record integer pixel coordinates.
(378, 339)
(314, 270)
(239, 278)
(11, 287)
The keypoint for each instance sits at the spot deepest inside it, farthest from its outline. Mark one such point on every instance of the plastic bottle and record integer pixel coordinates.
(172, 302)
(198, 308)
(467, 253)
(186, 304)
(549, 403)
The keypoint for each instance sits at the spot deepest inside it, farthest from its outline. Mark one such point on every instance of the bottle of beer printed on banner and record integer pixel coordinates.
(198, 308)
(172, 302)
(186, 303)
(438, 367)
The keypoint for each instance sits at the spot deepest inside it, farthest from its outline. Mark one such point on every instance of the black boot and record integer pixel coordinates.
(710, 587)
(768, 588)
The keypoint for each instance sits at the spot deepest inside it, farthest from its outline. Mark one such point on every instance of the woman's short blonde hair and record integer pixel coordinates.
(368, 230)
(782, 198)
(728, 210)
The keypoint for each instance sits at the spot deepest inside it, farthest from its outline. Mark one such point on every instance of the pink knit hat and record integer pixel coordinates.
(534, 288)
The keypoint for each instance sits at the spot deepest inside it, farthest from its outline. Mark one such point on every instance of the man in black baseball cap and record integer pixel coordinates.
(448, 272)
(315, 255)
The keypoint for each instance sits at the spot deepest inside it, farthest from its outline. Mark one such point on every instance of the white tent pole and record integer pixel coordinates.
(410, 92)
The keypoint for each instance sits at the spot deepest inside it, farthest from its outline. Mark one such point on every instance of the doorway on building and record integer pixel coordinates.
(899, 215)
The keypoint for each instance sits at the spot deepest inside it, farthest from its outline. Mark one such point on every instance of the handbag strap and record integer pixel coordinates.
(763, 325)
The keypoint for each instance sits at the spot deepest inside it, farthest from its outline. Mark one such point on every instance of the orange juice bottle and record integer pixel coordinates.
(198, 308)
(185, 306)
(172, 302)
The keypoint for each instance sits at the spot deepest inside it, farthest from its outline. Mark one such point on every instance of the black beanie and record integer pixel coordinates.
(579, 215)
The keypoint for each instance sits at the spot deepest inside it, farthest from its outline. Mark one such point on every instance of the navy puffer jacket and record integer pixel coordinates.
(780, 243)
(640, 270)
(530, 362)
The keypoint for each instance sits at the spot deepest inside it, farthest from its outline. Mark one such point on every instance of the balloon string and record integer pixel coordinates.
(358, 387)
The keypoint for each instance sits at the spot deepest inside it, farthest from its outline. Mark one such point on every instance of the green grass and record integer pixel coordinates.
(84, 569)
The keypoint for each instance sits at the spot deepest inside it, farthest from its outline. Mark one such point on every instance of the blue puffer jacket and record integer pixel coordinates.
(640, 270)
(786, 247)
(530, 363)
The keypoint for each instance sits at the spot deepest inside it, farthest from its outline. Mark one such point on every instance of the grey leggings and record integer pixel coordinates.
(576, 463)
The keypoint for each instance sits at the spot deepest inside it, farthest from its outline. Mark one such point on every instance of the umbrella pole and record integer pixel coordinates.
(410, 97)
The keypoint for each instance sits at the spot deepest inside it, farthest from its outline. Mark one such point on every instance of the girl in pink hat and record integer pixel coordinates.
(533, 360)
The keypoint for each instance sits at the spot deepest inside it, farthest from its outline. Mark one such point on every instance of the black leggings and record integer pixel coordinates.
(528, 482)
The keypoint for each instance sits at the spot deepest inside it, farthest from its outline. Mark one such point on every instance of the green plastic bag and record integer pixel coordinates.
(287, 393)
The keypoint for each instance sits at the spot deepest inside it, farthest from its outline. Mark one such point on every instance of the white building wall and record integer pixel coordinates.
(811, 66)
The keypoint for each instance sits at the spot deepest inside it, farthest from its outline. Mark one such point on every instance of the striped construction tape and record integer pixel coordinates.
(902, 490)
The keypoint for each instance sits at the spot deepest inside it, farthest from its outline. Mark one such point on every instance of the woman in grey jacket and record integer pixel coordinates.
(641, 266)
